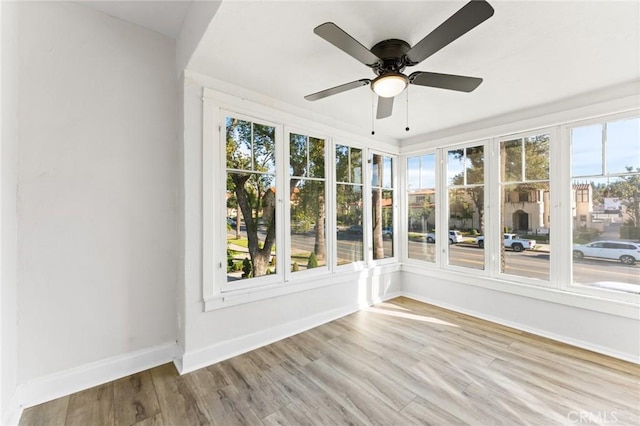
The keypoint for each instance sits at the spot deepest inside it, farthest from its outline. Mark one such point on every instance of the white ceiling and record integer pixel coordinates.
(529, 53)
(165, 17)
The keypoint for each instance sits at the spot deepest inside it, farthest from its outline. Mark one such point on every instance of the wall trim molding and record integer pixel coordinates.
(536, 331)
(75, 379)
(212, 354)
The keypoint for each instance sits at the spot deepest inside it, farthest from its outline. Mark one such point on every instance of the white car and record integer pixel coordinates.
(624, 251)
(455, 237)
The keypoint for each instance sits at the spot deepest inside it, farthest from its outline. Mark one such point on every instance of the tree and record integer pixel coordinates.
(250, 150)
(627, 189)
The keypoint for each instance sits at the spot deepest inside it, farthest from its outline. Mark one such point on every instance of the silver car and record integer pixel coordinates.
(624, 251)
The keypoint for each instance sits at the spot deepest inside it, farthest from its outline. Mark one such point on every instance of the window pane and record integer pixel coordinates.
(428, 171)
(349, 220)
(623, 145)
(605, 215)
(382, 232)
(525, 221)
(297, 155)
(465, 214)
(342, 163)
(316, 158)
(586, 150)
(512, 151)
(536, 153)
(455, 167)
(388, 173)
(238, 135)
(606, 207)
(413, 173)
(475, 165)
(251, 201)
(264, 148)
(356, 165)
(421, 208)
(308, 234)
(382, 207)
(377, 170)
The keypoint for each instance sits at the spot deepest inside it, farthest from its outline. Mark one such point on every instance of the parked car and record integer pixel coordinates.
(455, 237)
(512, 241)
(624, 251)
(387, 232)
(355, 230)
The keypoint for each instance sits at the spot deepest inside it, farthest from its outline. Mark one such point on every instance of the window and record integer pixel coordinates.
(307, 203)
(382, 206)
(465, 177)
(524, 169)
(606, 212)
(421, 207)
(349, 205)
(251, 199)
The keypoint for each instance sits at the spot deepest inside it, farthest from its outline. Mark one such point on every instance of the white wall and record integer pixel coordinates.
(98, 173)
(613, 334)
(8, 217)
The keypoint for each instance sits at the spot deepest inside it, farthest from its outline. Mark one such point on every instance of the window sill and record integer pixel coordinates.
(282, 288)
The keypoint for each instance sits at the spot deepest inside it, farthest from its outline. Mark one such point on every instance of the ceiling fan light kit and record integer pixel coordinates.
(388, 58)
(390, 84)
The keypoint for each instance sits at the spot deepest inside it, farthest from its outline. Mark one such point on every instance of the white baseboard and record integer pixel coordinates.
(75, 379)
(194, 360)
(538, 332)
(12, 413)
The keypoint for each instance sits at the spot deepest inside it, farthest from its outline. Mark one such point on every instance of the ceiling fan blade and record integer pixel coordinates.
(385, 107)
(445, 81)
(338, 89)
(471, 15)
(343, 41)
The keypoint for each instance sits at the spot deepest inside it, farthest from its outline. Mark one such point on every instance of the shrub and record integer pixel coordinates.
(630, 232)
(313, 261)
(295, 267)
(246, 268)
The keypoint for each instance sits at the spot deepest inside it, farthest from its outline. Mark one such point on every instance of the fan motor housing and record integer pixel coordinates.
(392, 53)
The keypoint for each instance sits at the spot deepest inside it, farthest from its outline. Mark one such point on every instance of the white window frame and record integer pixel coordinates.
(394, 187)
(566, 269)
(494, 175)
(213, 268)
(442, 244)
(329, 221)
(404, 218)
(278, 276)
(366, 205)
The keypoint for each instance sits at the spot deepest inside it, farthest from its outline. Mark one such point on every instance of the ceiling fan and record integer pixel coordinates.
(389, 58)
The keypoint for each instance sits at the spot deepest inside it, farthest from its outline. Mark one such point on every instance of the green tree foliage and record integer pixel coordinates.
(627, 189)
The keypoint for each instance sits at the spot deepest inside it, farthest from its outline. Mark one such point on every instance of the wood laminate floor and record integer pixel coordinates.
(401, 362)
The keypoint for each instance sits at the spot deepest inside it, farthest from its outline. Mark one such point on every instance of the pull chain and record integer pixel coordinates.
(373, 121)
(407, 128)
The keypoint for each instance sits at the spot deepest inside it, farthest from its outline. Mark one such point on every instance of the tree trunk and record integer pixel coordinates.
(319, 246)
